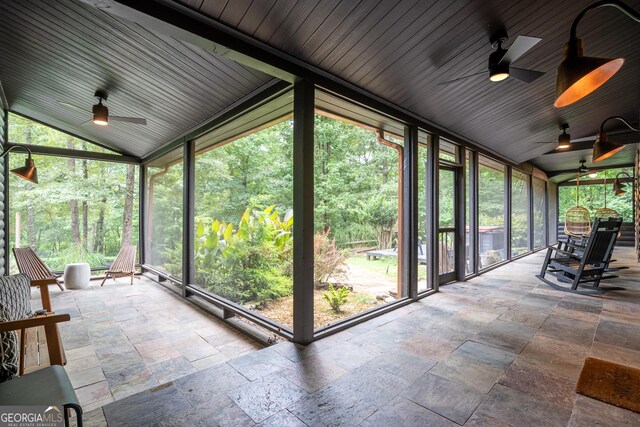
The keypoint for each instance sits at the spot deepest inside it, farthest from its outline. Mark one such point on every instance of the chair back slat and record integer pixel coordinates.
(29, 263)
(125, 260)
(602, 241)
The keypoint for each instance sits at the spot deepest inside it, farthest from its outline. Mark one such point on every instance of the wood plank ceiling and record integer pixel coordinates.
(402, 49)
(62, 51)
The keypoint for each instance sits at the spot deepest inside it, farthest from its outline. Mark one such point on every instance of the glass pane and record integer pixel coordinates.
(491, 212)
(519, 213)
(539, 208)
(422, 213)
(356, 219)
(81, 210)
(469, 235)
(446, 221)
(448, 150)
(164, 213)
(244, 218)
(26, 131)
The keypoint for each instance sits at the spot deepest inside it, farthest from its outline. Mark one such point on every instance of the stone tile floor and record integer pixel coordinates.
(502, 349)
(125, 339)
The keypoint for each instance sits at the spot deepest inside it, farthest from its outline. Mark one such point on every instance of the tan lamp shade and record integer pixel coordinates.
(580, 75)
(28, 171)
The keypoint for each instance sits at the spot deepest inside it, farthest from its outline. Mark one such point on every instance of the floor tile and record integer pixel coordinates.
(509, 336)
(447, 398)
(519, 409)
(403, 412)
(566, 329)
(486, 354)
(266, 396)
(563, 359)
(474, 375)
(591, 412)
(260, 363)
(202, 386)
(87, 376)
(283, 418)
(171, 369)
(620, 334)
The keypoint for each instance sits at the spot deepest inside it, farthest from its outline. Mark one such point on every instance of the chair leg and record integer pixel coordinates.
(546, 262)
(131, 279)
(106, 276)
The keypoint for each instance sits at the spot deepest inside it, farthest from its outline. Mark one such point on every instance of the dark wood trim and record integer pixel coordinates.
(573, 171)
(189, 176)
(507, 211)
(77, 154)
(142, 211)
(473, 212)
(432, 207)
(461, 207)
(255, 99)
(99, 144)
(410, 213)
(594, 182)
(4, 104)
(184, 23)
(530, 220)
(303, 206)
(5, 180)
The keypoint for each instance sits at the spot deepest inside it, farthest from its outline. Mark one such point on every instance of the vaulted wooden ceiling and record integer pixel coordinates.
(54, 52)
(399, 50)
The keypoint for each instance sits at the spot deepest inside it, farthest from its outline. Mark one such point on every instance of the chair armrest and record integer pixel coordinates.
(32, 322)
(561, 251)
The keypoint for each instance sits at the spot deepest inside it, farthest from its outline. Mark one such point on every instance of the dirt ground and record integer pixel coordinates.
(281, 310)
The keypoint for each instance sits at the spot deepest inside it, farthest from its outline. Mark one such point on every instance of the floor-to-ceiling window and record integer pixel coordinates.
(243, 249)
(519, 213)
(539, 209)
(491, 211)
(82, 210)
(164, 213)
(357, 242)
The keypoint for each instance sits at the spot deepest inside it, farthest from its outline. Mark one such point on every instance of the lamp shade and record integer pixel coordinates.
(28, 171)
(100, 114)
(603, 148)
(580, 75)
(618, 189)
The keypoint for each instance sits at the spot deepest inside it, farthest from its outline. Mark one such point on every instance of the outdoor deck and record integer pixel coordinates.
(500, 348)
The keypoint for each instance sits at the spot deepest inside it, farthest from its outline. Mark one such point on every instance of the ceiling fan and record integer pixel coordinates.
(101, 114)
(564, 139)
(501, 59)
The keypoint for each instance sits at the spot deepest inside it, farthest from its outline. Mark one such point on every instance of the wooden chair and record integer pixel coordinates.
(124, 265)
(45, 387)
(30, 264)
(588, 266)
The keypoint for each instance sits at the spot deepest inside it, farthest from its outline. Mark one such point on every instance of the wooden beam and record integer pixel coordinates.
(573, 171)
(76, 154)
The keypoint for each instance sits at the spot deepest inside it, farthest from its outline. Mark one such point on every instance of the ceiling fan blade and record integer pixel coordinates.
(73, 107)
(523, 75)
(136, 120)
(461, 78)
(518, 48)
(544, 142)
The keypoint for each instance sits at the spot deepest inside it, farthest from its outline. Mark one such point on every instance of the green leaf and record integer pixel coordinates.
(228, 232)
(200, 229)
(215, 226)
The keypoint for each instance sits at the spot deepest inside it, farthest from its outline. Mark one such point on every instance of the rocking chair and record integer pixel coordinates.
(587, 266)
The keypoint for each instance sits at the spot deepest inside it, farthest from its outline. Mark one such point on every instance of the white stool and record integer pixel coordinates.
(76, 276)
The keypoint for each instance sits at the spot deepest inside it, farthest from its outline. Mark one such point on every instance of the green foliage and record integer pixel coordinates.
(329, 261)
(252, 262)
(58, 260)
(44, 212)
(336, 297)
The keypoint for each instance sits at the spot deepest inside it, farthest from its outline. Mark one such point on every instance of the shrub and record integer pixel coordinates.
(76, 253)
(329, 261)
(337, 297)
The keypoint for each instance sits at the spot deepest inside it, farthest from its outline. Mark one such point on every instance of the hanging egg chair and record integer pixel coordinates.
(605, 212)
(577, 220)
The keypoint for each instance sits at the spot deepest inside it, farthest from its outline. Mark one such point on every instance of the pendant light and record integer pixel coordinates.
(603, 148)
(579, 75)
(29, 171)
(618, 188)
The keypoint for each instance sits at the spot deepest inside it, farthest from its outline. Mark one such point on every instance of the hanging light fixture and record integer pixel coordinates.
(618, 188)
(100, 114)
(603, 148)
(29, 170)
(579, 75)
(583, 169)
(564, 139)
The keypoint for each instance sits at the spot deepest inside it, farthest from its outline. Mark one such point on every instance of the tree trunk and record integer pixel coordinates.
(127, 223)
(73, 204)
(99, 239)
(85, 206)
